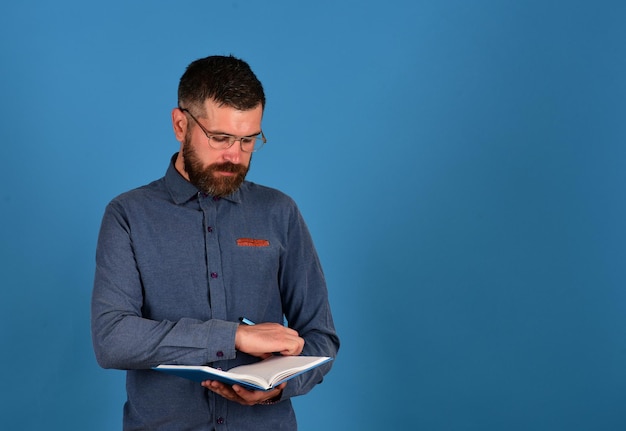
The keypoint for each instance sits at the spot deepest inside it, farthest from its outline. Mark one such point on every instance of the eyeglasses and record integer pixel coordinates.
(222, 141)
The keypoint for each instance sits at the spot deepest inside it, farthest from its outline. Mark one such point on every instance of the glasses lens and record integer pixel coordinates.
(248, 144)
(220, 141)
(252, 144)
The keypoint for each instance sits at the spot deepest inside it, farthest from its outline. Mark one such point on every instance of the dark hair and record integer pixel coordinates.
(227, 80)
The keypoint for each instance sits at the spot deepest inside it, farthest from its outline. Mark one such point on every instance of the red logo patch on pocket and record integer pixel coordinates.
(251, 242)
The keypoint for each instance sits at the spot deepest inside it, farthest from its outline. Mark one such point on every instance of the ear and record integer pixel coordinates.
(179, 123)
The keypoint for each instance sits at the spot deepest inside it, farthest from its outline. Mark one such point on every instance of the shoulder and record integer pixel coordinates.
(271, 202)
(255, 193)
(140, 196)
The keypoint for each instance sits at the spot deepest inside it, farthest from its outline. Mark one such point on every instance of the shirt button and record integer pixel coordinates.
(214, 275)
(220, 421)
(220, 354)
(209, 229)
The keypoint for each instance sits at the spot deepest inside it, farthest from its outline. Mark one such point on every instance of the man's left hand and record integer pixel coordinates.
(242, 395)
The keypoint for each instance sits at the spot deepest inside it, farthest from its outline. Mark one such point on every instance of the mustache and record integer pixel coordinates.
(228, 167)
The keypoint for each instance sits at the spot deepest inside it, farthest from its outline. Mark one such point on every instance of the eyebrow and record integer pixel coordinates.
(228, 134)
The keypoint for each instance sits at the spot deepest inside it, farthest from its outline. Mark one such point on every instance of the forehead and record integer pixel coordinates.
(226, 119)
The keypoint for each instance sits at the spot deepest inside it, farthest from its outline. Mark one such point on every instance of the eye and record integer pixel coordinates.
(220, 139)
(247, 141)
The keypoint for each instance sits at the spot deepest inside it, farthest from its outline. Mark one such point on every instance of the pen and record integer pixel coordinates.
(246, 321)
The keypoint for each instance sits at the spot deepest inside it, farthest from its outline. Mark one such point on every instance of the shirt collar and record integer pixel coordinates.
(182, 190)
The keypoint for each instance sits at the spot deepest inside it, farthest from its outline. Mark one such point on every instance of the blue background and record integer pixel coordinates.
(461, 165)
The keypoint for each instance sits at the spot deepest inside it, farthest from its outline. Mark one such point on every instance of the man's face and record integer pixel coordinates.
(217, 172)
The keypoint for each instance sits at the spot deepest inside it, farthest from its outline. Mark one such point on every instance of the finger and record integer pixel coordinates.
(228, 393)
(295, 348)
(248, 397)
(251, 398)
(218, 387)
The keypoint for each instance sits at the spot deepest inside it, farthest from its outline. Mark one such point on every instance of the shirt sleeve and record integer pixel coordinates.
(122, 337)
(305, 302)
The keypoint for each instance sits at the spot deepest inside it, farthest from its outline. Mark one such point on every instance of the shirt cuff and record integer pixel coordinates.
(221, 340)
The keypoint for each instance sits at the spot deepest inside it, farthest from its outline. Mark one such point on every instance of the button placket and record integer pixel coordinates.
(217, 295)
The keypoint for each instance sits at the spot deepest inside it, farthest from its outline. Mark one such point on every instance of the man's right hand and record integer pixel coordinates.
(263, 339)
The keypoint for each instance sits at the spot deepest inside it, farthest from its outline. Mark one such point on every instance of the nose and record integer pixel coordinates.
(233, 153)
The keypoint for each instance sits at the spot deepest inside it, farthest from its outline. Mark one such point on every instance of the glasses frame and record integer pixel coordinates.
(231, 138)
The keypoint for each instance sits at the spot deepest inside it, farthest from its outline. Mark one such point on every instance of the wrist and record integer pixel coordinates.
(272, 400)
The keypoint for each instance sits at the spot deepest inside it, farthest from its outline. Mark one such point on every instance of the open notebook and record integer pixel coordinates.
(263, 375)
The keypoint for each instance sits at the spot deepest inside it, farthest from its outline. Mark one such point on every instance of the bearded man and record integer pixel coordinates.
(180, 260)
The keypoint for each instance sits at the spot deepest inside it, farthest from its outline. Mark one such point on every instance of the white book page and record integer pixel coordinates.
(276, 368)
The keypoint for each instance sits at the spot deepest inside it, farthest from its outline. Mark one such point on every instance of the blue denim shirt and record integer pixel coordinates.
(175, 269)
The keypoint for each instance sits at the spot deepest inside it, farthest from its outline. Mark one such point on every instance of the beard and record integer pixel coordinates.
(206, 179)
